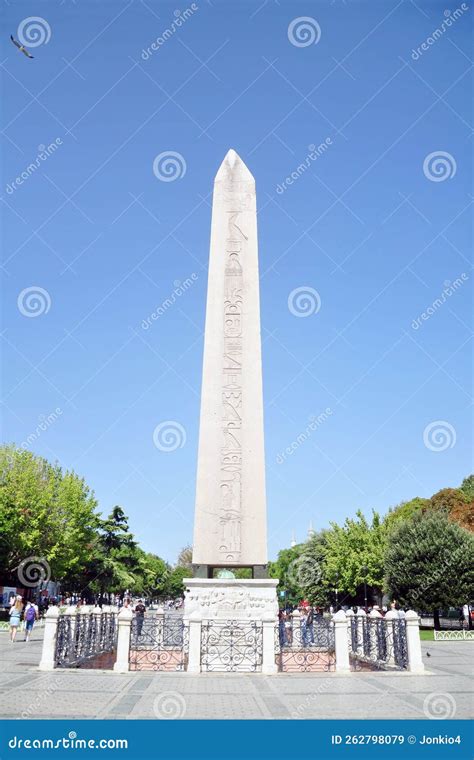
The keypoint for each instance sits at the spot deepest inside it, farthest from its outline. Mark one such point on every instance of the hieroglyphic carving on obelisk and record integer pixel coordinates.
(230, 516)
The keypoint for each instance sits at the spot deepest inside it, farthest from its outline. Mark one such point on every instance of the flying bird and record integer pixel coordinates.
(21, 47)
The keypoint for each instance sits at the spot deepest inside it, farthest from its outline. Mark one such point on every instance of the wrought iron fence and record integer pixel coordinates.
(378, 643)
(84, 635)
(301, 646)
(231, 645)
(158, 643)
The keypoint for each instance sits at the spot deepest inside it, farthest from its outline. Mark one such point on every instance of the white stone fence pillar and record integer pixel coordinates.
(341, 642)
(415, 661)
(269, 665)
(49, 641)
(350, 617)
(194, 643)
(125, 618)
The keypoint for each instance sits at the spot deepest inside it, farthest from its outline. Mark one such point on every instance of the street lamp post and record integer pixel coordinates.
(365, 570)
(337, 593)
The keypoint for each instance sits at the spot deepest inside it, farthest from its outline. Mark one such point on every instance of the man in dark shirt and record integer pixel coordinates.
(140, 610)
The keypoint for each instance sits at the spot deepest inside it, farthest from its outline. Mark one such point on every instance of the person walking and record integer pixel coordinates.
(310, 625)
(30, 617)
(140, 610)
(15, 617)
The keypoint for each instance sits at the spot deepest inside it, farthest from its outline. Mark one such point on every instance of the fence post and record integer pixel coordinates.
(390, 616)
(296, 642)
(125, 617)
(340, 641)
(194, 644)
(49, 642)
(97, 612)
(361, 616)
(269, 665)
(350, 617)
(415, 660)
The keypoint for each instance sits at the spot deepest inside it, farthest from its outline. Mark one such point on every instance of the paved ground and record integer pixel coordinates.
(27, 693)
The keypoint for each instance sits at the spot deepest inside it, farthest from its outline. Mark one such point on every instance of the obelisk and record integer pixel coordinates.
(230, 512)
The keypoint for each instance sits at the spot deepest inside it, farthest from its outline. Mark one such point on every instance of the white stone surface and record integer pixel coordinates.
(230, 515)
(230, 598)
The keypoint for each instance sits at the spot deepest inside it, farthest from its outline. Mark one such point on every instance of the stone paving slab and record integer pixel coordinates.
(28, 692)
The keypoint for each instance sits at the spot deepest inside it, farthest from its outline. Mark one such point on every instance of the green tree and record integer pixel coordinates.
(354, 552)
(118, 559)
(467, 487)
(455, 503)
(428, 563)
(45, 513)
(284, 569)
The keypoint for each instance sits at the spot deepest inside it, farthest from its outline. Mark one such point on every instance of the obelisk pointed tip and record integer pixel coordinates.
(233, 167)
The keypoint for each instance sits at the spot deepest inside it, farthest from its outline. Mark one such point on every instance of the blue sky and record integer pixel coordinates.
(374, 225)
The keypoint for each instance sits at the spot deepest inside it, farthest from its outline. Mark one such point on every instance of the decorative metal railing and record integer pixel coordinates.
(158, 642)
(81, 636)
(301, 647)
(231, 645)
(378, 643)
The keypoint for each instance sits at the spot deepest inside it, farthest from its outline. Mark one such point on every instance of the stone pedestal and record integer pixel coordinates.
(236, 621)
